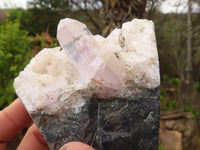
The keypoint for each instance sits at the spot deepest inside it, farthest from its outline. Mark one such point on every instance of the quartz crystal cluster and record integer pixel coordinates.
(101, 91)
(83, 51)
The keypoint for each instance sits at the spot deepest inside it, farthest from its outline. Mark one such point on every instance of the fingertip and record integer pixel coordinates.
(76, 146)
(33, 140)
(13, 119)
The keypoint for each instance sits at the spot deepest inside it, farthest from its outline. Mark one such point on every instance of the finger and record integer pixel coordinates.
(12, 120)
(76, 146)
(33, 140)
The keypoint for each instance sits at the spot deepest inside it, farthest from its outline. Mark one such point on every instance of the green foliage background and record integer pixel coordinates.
(14, 55)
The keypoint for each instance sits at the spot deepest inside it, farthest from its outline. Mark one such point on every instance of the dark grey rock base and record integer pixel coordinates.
(118, 124)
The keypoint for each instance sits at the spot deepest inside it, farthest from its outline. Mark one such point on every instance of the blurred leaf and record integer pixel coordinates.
(175, 81)
(197, 86)
(9, 55)
(161, 147)
(13, 68)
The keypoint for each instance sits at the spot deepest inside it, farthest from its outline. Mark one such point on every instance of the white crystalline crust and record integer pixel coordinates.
(50, 82)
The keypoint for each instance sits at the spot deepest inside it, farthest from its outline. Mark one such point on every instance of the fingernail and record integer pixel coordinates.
(66, 147)
(76, 146)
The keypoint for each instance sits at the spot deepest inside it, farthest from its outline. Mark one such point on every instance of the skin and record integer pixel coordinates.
(14, 118)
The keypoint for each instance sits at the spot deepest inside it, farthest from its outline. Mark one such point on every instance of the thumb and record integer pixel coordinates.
(76, 146)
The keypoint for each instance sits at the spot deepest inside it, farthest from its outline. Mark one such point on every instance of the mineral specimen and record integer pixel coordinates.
(83, 50)
(101, 91)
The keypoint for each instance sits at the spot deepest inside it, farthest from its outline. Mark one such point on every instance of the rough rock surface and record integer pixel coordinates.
(65, 106)
(131, 123)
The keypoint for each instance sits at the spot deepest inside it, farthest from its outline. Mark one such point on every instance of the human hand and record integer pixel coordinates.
(14, 118)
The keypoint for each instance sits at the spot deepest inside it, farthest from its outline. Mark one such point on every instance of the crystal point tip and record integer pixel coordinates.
(69, 29)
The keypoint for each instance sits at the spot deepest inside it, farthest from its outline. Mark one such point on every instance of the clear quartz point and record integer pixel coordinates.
(78, 43)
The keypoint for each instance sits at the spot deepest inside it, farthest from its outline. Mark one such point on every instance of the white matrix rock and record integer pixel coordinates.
(51, 83)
